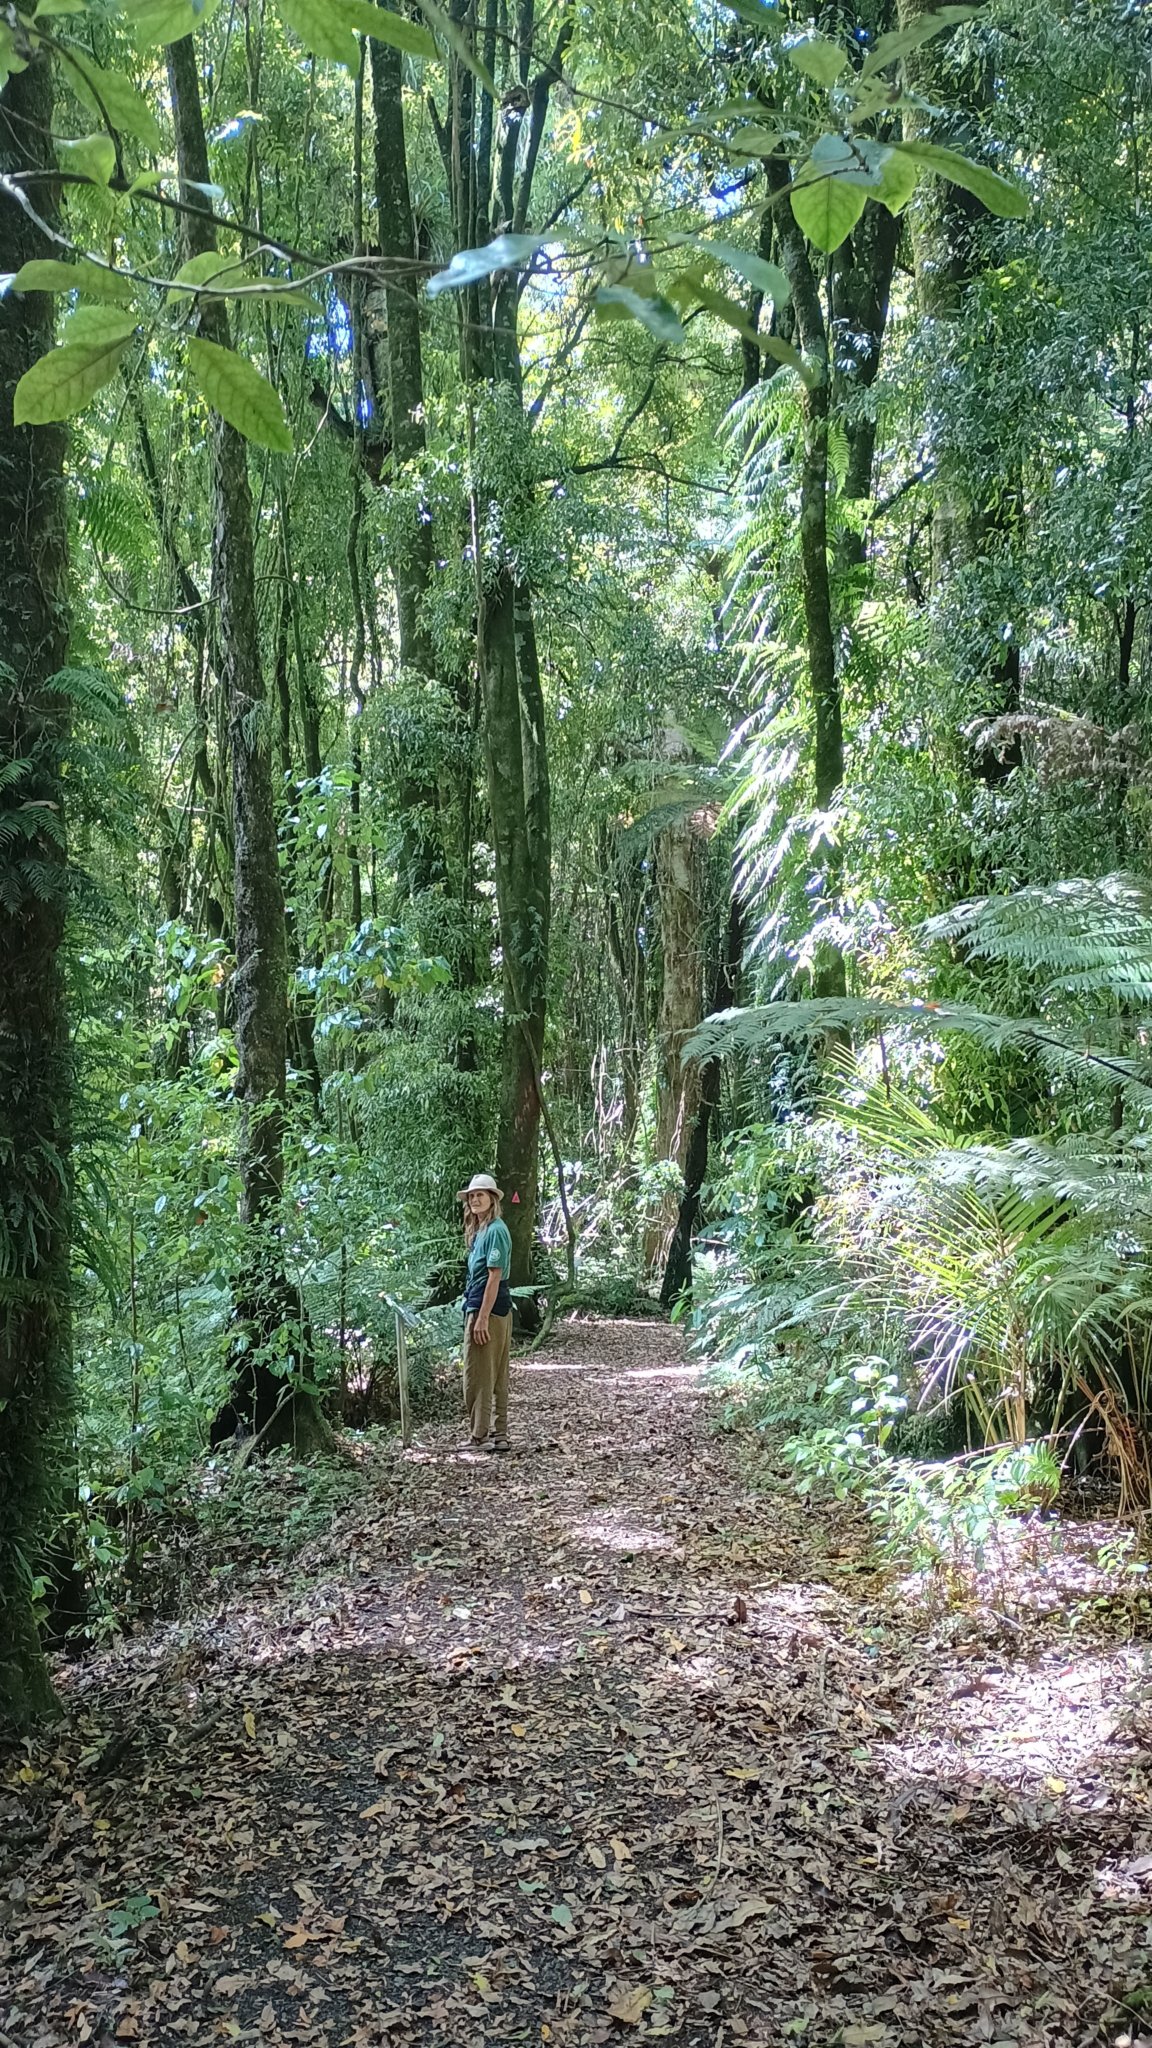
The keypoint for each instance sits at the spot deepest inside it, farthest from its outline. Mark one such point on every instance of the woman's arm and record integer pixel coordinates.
(491, 1290)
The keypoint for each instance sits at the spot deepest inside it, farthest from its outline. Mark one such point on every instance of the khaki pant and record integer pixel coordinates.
(486, 1377)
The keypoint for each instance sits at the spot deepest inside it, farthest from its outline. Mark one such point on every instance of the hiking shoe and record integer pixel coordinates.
(500, 1443)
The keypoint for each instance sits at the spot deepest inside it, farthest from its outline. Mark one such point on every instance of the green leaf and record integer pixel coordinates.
(752, 140)
(691, 290)
(855, 159)
(63, 381)
(899, 41)
(10, 60)
(755, 270)
(155, 22)
(98, 327)
(826, 197)
(818, 58)
(898, 176)
(716, 117)
(50, 7)
(387, 27)
(453, 35)
(783, 352)
(758, 16)
(828, 212)
(113, 97)
(468, 266)
(207, 268)
(322, 30)
(998, 194)
(653, 311)
(45, 274)
(90, 156)
(236, 390)
(562, 1915)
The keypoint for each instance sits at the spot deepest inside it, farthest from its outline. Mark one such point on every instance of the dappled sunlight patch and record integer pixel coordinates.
(1051, 1727)
(615, 1530)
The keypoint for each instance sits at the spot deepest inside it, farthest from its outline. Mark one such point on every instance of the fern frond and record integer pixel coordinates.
(751, 1030)
(1089, 937)
(94, 695)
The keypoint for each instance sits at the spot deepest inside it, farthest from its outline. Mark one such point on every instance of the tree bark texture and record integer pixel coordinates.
(816, 581)
(680, 871)
(518, 795)
(35, 1063)
(396, 234)
(723, 994)
(491, 177)
(266, 1301)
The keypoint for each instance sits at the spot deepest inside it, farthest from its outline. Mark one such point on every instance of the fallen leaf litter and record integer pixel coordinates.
(591, 1744)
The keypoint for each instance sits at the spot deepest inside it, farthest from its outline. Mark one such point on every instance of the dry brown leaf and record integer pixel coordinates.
(630, 2005)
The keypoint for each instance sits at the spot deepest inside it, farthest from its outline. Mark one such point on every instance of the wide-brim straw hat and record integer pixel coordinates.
(480, 1184)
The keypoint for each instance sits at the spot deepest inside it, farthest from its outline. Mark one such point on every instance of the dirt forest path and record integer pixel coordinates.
(592, 1743)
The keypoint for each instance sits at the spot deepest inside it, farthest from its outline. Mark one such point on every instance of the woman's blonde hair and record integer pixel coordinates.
(472, 1224)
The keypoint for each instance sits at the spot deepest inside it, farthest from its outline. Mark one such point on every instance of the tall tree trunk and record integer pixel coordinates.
(404, 396)
(861, 283)
(35, 1064)
(722, 995)
(680, 862)
(815, 576)
(276, 1409)
(518, 797)
(951, 231)
(428, 808)
(485, 176)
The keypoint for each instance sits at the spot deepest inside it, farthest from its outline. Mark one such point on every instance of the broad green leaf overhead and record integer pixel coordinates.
(449, 33)
(998, 194)
(236, 390)
(91, 280)
(755, 270)
(90, 156)
(156, 22)
(828, 208)
(113, 98)
(210, 268)
(818, 58)
(97, 327)
(900, 42)
(387, 27)
(62, 382)
(651, 309)
(323, 29)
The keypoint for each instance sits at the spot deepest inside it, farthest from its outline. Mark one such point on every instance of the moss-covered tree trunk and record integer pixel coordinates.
(35, 1066)
(815, 573)
(274, 1407)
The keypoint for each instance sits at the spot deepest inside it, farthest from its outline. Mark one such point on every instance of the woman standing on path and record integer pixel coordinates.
(487, 1311)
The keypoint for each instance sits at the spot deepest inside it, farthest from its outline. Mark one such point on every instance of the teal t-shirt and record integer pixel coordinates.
(491, 1246)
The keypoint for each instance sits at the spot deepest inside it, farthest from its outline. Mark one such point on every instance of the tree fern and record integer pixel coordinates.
(1062, 1051)
(1086, 937)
